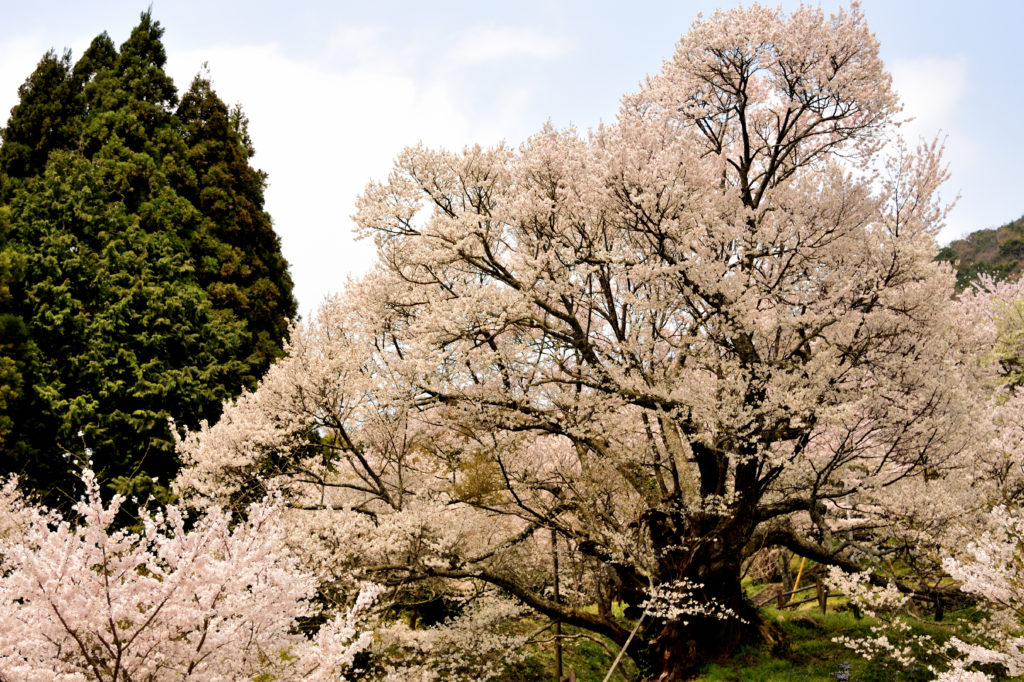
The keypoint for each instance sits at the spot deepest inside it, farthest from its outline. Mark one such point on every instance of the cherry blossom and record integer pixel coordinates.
(713, 325)
(218, 600)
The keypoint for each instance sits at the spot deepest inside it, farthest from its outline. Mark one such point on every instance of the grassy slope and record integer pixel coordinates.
(808, 653)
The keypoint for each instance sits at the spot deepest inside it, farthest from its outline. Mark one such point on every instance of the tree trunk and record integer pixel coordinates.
(679, 647)
(712, 616)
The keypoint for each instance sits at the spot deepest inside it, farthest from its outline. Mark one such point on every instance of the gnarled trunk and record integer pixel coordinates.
(705, 614)
(679, 647)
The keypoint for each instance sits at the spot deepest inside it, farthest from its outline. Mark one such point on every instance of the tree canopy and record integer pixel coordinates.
(711, 326)
(150, 282)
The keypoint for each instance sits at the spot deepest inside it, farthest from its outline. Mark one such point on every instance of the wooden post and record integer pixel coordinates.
(822, 595)
(558, 623)
(785, 570)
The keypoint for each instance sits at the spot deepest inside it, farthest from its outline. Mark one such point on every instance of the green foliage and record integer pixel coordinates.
(15, 348)
(237, 254)
(140, 278)
(998, 252)
(43, 120)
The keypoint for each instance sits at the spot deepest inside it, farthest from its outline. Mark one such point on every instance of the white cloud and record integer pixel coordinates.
(360, 40)
(931, 89)
(374, 46)
(322, 132)
(504, 43)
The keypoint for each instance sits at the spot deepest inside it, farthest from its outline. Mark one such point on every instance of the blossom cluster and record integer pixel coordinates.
(214, 598)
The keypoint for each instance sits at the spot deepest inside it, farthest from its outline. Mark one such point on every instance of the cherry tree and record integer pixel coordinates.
(967, 527)
(218, 602)
(986, 567)
(989, 568)
(711, 326)
(982, 552)
(370, 482)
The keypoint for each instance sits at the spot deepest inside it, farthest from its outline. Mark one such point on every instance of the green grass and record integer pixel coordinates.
(589, 659)
(807, 652)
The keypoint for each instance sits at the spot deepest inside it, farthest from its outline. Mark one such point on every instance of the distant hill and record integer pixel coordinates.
(998, 252)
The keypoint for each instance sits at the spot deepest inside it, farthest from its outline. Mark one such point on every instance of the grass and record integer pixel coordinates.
(806, 654)
(810, 654)
(586, 654)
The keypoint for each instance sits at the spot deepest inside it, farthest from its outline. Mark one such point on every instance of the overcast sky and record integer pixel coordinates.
(334, 90)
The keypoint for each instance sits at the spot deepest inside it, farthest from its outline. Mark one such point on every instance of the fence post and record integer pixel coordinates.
(822, 595)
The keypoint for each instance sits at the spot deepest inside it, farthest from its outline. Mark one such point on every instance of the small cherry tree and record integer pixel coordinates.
(968, 527)
(990, 568)
(986, 567)
(86, 601)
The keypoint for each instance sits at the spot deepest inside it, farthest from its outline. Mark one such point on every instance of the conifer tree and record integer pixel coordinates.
(237, 253)
(15, 348)
(50, 106)
(41, 122)
(149, 282)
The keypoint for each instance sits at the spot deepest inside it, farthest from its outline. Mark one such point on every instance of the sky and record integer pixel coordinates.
(334, 90)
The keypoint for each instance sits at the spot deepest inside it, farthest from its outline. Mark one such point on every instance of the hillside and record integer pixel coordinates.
(998, 252)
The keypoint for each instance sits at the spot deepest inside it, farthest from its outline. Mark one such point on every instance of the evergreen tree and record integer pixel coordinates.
(237, 253)
(43, 120)
(15, 348)
(119, 214)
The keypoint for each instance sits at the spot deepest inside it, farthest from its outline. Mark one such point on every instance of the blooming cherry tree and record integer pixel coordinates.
(86, 601)
(987, 568)
(968, 526)
(990, 568)
(712, 326)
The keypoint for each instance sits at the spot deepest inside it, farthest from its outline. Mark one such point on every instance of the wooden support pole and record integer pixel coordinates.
(558, 623)
(615, 663)
(796, 585)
